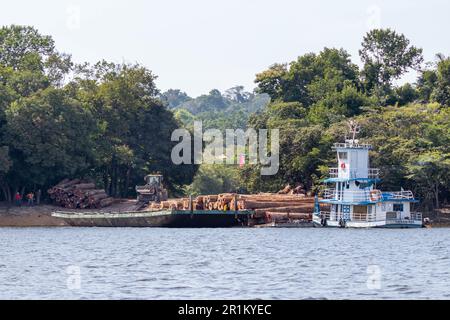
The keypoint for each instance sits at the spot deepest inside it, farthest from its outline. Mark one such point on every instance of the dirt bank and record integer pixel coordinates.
(40, 216)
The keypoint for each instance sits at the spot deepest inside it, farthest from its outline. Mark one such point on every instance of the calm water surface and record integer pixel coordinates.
(224, 263)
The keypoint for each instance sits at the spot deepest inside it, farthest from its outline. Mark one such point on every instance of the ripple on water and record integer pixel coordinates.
(224, 263)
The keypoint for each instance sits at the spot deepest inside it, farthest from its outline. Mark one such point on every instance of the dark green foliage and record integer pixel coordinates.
(221, 111)
(386, 55)
(404, 95)
(174, 97)
(214, 179)
(316, 95)
(51, 135)
(106, 124)
(442, 92)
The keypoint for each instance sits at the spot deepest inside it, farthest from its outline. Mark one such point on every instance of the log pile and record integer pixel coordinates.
(298, 189)
(278, 207)
(77, 194)
(267, 206)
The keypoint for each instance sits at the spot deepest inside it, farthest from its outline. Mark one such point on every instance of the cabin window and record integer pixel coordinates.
(360, 213)
(398, 207)
(359, 209)
(391, 215)
(342, 155)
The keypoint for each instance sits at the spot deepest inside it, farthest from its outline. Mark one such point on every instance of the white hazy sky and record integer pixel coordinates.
(197, 45)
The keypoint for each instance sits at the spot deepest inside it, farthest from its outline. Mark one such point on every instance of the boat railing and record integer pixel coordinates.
(364, 217)
(329, 194)
(366, 195)
(415, 216)
(333, 172)
(373, 173)
(359, 217)
(355, 196)
(325, 215)
(400, 195)
(353, 145)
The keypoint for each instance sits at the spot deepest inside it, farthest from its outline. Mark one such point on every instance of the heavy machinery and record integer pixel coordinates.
(153, 191)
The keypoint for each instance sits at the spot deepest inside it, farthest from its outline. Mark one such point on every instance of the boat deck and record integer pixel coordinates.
(163, 218)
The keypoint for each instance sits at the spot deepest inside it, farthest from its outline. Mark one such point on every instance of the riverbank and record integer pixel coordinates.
(40, 216)
(440, 218)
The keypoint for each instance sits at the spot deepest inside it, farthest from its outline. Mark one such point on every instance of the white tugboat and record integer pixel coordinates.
(355, 201)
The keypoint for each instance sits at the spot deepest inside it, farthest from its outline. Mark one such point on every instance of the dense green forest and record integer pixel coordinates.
(110, 123)
(231, 109)
(58, 119)
(314, 96)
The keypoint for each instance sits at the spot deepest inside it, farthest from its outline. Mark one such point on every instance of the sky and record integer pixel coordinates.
(199, 45)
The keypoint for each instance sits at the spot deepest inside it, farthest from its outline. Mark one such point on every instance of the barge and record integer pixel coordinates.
(157, 219)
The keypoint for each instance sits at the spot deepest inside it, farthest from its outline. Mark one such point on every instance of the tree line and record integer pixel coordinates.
(108, 122)
(59, 119)
(314, 96)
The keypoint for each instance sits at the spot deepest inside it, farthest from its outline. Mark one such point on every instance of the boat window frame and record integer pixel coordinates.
(341, 157)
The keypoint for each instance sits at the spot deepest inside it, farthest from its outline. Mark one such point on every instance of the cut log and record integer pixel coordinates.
(78, 194)
(84, 186)
(252, 204)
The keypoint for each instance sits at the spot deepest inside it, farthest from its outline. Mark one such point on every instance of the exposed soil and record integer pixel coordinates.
(40, 216)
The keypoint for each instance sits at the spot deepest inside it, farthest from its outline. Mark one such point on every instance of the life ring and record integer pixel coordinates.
(343, 165)
(374, 195)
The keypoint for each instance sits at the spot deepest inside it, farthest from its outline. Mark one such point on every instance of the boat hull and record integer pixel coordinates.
(160, 219)
(397, 224)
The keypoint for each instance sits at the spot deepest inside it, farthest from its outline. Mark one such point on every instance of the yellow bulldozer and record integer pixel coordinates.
(152, 191)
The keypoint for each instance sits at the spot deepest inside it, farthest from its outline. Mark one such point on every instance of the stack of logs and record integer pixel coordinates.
(78, 194)
(299, 189)
(267, 206)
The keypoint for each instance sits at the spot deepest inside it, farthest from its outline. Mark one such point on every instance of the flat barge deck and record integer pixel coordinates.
(158, 219)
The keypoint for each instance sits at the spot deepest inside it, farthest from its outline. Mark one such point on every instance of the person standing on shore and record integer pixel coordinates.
(18, 199)
(30, 197)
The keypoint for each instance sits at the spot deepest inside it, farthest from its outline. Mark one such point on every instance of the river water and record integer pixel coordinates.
(95, 263)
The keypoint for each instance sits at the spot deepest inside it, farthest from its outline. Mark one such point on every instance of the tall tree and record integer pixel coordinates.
(310, 78)
(19, 45)
(49, 137)
(135, 127)
(174, 98)
(387, 55)
(441, 92)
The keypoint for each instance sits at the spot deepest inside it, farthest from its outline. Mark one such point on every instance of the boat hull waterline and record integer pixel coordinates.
(159, 219)
(394, 224)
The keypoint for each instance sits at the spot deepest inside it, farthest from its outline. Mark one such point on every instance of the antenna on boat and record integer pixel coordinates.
(354, 128)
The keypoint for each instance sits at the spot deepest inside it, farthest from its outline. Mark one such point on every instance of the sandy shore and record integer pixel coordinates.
(40, 216)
